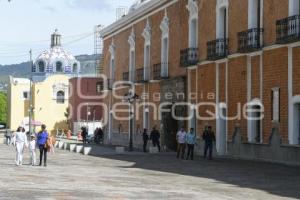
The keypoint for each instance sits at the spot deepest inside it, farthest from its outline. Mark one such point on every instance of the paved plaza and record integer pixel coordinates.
(144, 176)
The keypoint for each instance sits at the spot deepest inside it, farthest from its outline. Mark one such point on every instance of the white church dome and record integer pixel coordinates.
(56, 60)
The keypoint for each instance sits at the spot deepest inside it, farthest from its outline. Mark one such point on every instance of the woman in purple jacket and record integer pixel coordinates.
(42, 138)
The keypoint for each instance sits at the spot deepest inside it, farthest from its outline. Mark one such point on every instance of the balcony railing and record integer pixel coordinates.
(217, 49)
(160, 71)
(288, 29)
(125, 76)
(189, 57)
(250, 40)
(142, 75)
(139, 75)
(146, 74)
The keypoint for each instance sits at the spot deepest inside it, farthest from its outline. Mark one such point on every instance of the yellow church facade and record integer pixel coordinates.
(49, 102)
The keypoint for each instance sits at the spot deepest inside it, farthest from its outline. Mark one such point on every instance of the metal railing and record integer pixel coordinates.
(125, 76)
(250, 40)
(288, 29)
(217, 49)
(189, 57)
(139, 75)
(160, 71)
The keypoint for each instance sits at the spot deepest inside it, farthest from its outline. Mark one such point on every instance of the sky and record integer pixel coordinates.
(28, 24)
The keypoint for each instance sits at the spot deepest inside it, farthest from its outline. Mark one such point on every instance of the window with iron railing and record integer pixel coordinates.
(288, 29)
(139, 75)
(249, 40)
(189, 57)
(217, 49)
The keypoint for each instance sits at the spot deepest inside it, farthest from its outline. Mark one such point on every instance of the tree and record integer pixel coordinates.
(3, 108)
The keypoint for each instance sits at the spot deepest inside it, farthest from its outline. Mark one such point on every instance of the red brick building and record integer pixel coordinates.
(231, 53)
(85, 101)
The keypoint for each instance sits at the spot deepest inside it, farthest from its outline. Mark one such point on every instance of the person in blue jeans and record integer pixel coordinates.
(42, 138)
(191, 141)
(209, 138)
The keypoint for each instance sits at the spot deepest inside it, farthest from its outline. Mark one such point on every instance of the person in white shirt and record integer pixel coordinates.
(32, 149)
(181, 140)
(20, 142)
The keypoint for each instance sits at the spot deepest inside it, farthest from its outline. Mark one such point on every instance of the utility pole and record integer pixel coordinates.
(30, 95)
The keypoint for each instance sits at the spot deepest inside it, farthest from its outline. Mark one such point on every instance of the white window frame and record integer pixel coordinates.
(221, 4)
(131, 41)
(147, 50)
(112, 50)
(193, 9)
(164, 26)
(294, 7)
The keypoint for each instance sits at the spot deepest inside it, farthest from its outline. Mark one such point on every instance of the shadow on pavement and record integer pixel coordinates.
(275, 179)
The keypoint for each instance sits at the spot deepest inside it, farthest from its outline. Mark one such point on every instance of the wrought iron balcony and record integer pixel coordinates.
(160, 71)
(288, 29)
(139, 75)
(142, 75)
(146, 74)
(217, 49)
(189, 57)
(125, 76)
(249, 40)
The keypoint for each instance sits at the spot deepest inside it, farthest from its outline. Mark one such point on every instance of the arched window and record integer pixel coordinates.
(60, 97)
(41, 66)
(59, 67)
(75, 68)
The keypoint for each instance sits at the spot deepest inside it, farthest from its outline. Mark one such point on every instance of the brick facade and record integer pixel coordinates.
(237, 78)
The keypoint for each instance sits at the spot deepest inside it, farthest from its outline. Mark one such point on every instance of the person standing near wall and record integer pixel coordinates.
(181, 140)
(145, 139)
(191, 141)
(209, 138)
(42, 144)
(155, 136)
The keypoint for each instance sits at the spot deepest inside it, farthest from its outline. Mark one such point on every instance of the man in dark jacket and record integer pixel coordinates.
(145, 139)
(209, 137)
(155, 136)
(84, 134)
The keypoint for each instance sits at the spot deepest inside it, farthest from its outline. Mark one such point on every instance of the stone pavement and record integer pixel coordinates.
(143, 176)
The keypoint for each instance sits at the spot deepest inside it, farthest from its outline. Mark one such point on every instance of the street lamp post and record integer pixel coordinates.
(30, 95)
(130, 98)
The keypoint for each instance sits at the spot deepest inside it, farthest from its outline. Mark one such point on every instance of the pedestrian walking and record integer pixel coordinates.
(84, 134)
(191, 141)
(32, 149)
(209, 138)
(8, 136)
(145, 139)
(42, 144)
(155, 137)
(181, 140)
(20, 143)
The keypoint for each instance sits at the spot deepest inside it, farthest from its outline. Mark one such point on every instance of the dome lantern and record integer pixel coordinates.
(55, 39)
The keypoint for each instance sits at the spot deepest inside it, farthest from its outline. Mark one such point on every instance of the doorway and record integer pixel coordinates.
(170, 129)
(297, 123)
